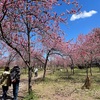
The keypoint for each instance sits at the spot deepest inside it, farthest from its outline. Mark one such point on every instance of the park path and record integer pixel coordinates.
(22, 91)
(22, 87)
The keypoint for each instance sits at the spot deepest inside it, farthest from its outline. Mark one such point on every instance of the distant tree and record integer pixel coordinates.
(52, 44)
(89, 50)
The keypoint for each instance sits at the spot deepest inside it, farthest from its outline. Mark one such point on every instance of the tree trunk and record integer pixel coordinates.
(44, 72)
(72, 71)
(72, 65)
(67, 72)
(46, 64)
(90, 70)
(87, 70)
(29, 80)
(99, 68)
(87, 83)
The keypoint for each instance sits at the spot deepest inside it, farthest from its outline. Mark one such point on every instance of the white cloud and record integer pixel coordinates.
(82, 15)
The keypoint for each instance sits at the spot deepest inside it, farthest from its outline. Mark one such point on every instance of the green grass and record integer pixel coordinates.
(60, 85)
(32, 96)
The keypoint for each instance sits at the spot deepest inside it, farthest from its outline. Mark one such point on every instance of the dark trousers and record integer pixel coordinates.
(36, 74)
(15, 90)
(4, 89)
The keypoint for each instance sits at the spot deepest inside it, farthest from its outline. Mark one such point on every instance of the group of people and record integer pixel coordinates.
(9, 77)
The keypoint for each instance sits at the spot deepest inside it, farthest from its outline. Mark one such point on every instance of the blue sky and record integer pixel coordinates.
(84, 22)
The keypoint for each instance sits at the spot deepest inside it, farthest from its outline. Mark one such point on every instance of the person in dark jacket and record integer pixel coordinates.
(5, 80)
(15, 79)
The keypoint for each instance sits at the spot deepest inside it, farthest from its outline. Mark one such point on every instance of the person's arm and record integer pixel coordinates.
(18, 75)
(12, 75)
(3, 77)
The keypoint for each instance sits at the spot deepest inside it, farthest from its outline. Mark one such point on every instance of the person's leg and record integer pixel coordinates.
(15, 90)
(5, 89)
(36, 74)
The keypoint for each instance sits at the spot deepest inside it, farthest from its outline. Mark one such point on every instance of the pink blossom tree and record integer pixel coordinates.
(88, 50)
(52, 44)
(22, 20)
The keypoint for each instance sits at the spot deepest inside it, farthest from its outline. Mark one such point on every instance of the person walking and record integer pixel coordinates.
(5, 80)
(15, 79)
(36, 72)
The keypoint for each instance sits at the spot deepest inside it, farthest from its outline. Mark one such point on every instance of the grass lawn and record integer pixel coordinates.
(58, 86)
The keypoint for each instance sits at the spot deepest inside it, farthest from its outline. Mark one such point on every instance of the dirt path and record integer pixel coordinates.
(56, 90)
(21, 94)
(22, 88)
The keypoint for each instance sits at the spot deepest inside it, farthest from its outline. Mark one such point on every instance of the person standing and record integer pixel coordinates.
(36, 72)
(15, 79)
(5, 80)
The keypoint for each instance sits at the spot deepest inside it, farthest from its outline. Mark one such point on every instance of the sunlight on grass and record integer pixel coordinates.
(32, 96)
(58, 85)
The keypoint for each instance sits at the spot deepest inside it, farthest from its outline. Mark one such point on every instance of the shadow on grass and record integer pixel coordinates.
(37, 80)
(40, 79)
(98, 81)
(70, 79)
(8, 98)
(21, 97)
(97, 98)
(76, 78)
(57, 79)
(96, 78)
(31, 96)
(63, 76)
